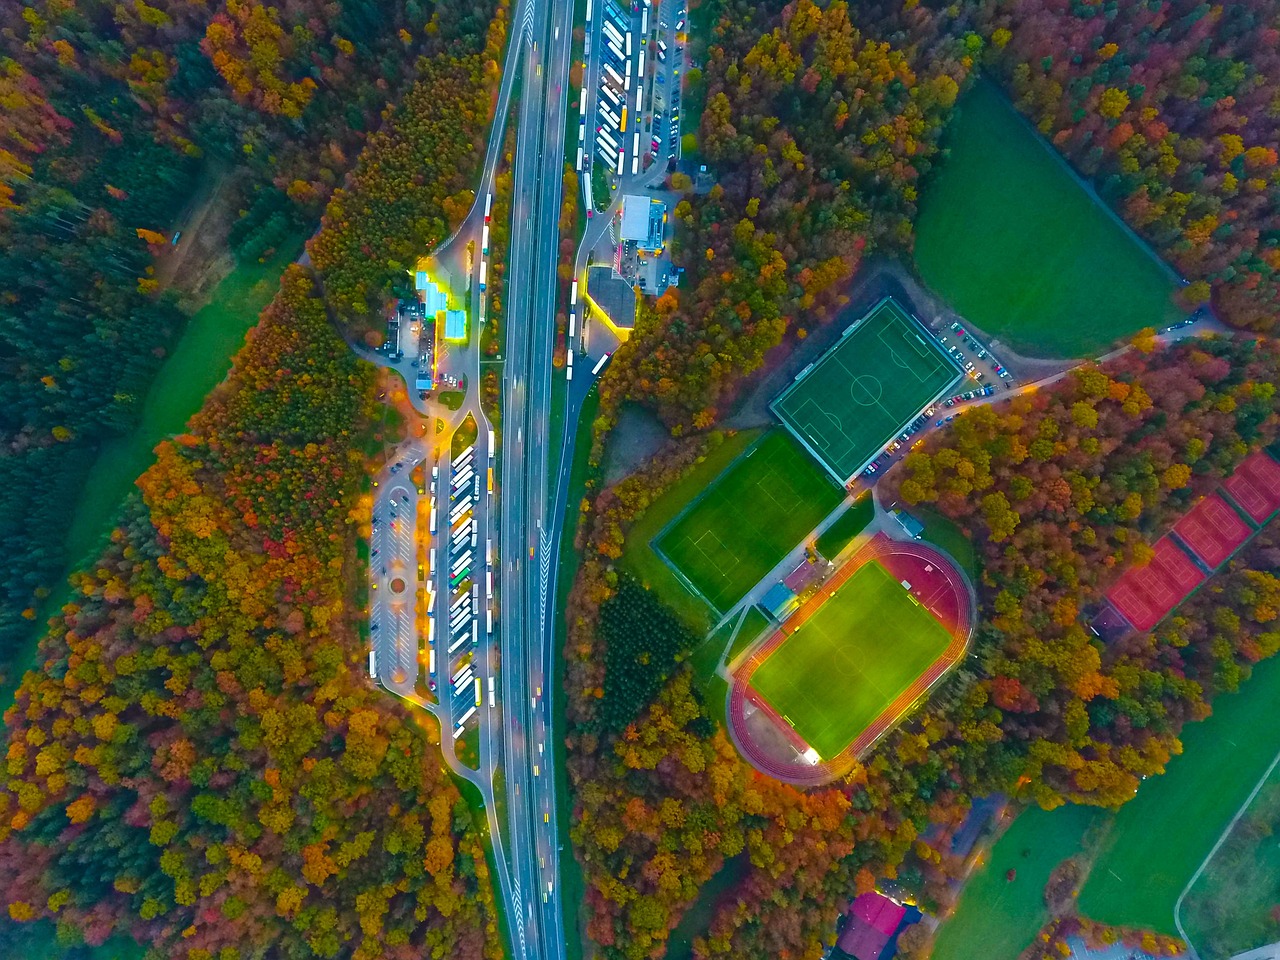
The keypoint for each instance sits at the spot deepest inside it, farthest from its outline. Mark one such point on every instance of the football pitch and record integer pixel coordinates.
(884, 370)
(851, 660)
(748, 518)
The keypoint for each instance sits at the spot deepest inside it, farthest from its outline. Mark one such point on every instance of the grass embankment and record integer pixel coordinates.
(464, 436)
(479, 819)
(646, 566)
(739, 631)
(753, 624)
(847, 526)
(1018, 245)
(572, 887)
(943, 532)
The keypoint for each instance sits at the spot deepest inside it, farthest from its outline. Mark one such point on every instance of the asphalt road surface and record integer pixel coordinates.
(393, 580)
(526, 544)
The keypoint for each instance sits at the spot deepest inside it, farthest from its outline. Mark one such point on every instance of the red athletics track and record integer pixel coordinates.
(939, 587)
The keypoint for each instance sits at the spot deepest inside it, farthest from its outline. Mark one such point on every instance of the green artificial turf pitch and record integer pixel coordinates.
(748, 519)
(850, 660)
(1019, 246)
(865, 389)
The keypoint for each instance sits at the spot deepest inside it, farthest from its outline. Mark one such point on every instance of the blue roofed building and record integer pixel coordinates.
(779, 601)
(913, 527)
(455, 325)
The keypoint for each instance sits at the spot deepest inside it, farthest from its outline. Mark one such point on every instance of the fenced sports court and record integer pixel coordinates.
(852, 402)
(1145, 594)
(1213, 531)
(1220, 524)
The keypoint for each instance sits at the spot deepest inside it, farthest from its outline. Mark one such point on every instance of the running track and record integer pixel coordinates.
(937, 584)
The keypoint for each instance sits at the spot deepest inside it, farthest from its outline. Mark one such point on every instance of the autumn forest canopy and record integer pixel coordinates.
(198, 762)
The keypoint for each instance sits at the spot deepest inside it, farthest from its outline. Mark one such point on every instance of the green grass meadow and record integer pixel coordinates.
(1015, 243)
(748, 519)
(850, 660)
(999, 914)
(847, 526)
(1144, 854)
(1161, 836)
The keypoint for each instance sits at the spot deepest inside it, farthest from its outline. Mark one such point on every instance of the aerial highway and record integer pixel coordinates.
(515, 726)
(527, 540)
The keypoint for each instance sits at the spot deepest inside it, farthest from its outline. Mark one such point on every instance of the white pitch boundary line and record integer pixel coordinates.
(1222, 838)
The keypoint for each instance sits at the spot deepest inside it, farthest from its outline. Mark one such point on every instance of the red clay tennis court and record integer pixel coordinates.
(1145, 594)
(1255, 485)
(1213, 530)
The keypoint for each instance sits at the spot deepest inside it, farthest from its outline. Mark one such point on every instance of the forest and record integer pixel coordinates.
(112, 118)
(1173, 109)
(820, 122)
(199, 762)
(819, 135)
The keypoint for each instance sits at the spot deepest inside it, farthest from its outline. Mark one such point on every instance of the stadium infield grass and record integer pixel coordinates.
(748, 519)
(1013, 240)
(851, 660)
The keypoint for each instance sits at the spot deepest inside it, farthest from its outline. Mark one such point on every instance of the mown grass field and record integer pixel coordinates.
(638, 556)
(748, 519)
(850, 660)
(1231, 907)
(847, 526)
(1017, 245)
(1160, 837)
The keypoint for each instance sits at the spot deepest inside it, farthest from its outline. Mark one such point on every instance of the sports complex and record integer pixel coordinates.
(849, 405)
(851, 662)
(866, 641)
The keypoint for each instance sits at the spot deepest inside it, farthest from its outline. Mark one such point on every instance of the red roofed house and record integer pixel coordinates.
(1213, 531)
(873, 920)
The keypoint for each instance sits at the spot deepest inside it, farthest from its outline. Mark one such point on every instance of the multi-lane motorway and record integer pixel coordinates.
(515, 726)
(527, 540)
